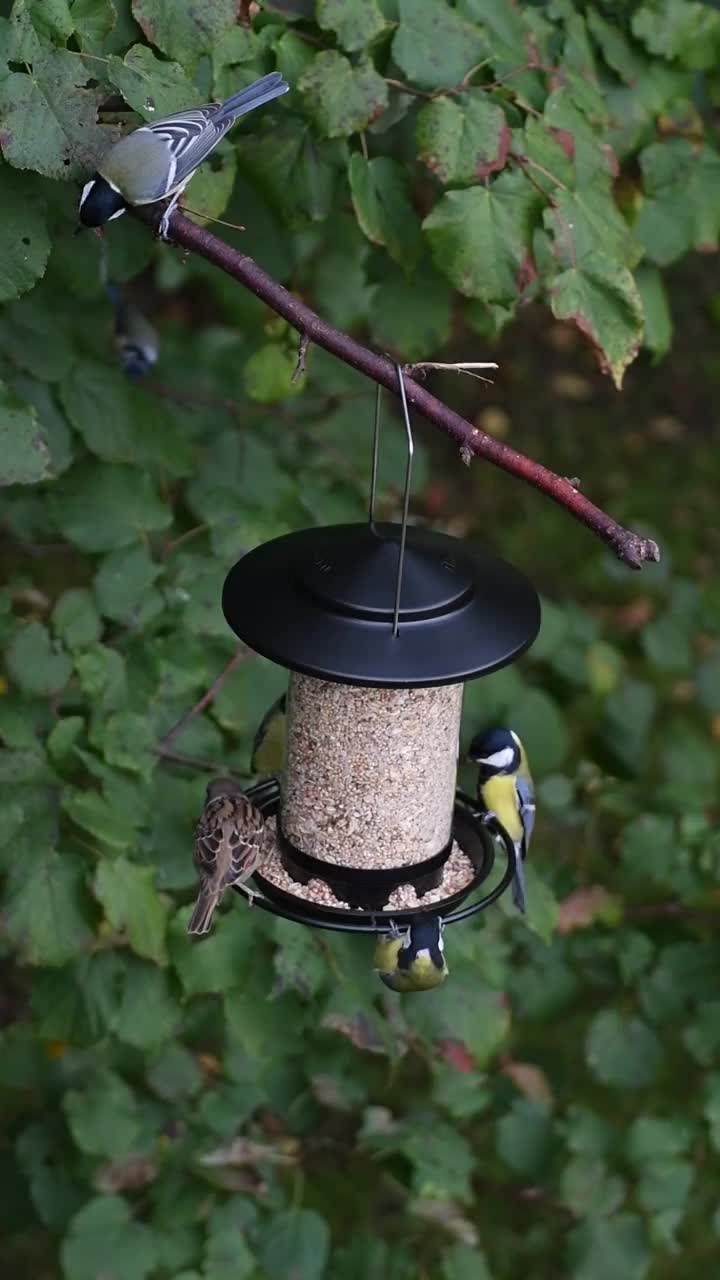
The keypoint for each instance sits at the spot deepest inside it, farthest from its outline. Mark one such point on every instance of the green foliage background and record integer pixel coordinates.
(255, 1106)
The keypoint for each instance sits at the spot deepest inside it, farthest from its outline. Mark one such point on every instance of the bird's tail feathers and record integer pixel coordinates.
(518, 884)
(252, 96)
(203, 911)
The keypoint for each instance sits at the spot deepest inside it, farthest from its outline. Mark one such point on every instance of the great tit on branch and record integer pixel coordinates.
(505, 788)
(412, 959)
(231, 844)
(156, 161)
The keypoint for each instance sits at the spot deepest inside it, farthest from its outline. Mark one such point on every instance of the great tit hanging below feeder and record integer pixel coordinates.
(231, 844)
(135, 339)
(412, 959)
(505, 788)
(156, 161)
(268, 751)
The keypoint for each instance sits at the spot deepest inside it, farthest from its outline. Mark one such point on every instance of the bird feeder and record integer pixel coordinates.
(380, 626)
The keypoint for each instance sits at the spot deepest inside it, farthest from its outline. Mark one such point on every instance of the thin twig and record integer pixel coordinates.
(217, 684)
(199, 762)
(463, 366)
(302, 352)
(628, 546)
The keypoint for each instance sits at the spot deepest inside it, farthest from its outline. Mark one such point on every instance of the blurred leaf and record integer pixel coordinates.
(75, 619)
(622, 1052)
(46, 908)
(103, 1233)
(658, 329)
(524, 1137)
(152, 87)
(382, 207)
(103, 1117)
(24, 444)
(24, 241)
(131, 902)
(188, 32)
(356, 23)
(39, 665)
(297, 1243)
(602, 300)
(103, 507)
(614, 1246)
(268, 374)
(398, 324)
(463, 1263)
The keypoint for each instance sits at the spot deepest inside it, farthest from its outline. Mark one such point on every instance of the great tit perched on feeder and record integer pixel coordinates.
(268, 752)
(135, 340)
(156, 161)
(231, 844)
(505, 788)
(412, 959)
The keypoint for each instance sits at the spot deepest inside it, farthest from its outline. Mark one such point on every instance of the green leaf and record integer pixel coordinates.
(681, 29)
(93, 813)
(75, 619)
(442, 1160)
(480, 237)
(227, 1256)
(434, 46)
(38, 665)
(123, 583)
(96, 399)
(658, 327)
(212, 186)
(525, 1137)
(103, 1235)
(463, 1263)
(601, 298)
(148, 1014)
(268, 374)
(103, 507)
(24, 451)
(24, 240)
(131, 902)
(603, 1247)
(46, 909)
(587, 225)
(297, 174)
(128, 740)
(216, 964)
(681, 209)
(63, 736)
(622, 1052)
(588, 1190)
(50, 118)
(93, 21)
(379, 193)
(174, 1074)
(653, 1138)
(297, 1243)
(103, 1117)
(151, 86)
(185, 32)
(397, 322)
(355, 22)
(468, 1012)
(463, 140)
(342, 98)
(102, 676)
(51, 19)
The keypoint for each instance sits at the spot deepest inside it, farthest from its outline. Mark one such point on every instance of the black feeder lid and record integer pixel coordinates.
(321, 601)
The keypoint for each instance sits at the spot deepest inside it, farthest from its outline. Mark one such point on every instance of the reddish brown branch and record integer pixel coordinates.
(628, 546)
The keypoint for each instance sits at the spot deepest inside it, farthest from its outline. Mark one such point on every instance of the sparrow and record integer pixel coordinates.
(231, 844)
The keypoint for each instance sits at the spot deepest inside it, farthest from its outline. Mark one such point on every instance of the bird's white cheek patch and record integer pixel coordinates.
(113, 216)
(86, 191)
(500, 760)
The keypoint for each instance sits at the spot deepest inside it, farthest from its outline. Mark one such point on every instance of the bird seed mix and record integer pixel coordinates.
(370, 773)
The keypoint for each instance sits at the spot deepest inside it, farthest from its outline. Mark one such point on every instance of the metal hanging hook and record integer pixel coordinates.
(406, 493)
(406, 499)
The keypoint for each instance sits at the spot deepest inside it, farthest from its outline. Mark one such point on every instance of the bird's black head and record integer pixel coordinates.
(495, 751)
(135, 360)
(100, 202)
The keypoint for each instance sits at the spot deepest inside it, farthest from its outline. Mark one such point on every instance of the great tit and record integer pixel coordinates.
(505, 788)
(268, 752)
(412, 959)
(231, 844)
(136, 342)
(156, 161)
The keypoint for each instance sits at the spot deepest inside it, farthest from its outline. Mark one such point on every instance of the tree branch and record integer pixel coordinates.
(167, 740)
(629, 547)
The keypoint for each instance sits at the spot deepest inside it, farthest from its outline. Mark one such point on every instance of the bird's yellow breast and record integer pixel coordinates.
(499, 796)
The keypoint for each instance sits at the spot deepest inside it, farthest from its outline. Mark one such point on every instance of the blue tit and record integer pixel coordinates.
(136, 342)
(412, 959)
(268, 752)
(505, 788)
(156, 161)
